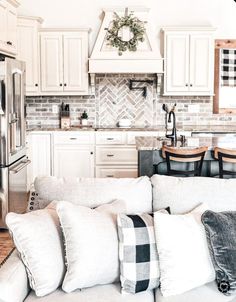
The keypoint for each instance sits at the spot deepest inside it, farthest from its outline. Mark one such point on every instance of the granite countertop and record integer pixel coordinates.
(156, 143)
(192, 128)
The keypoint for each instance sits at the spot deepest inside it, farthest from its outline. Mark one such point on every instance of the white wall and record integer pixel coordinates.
(87, 13)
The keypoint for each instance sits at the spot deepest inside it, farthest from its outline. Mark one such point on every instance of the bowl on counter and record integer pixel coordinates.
(124, 123)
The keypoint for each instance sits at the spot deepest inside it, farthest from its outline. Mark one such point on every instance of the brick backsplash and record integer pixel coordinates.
(39, 109)
(113, 100)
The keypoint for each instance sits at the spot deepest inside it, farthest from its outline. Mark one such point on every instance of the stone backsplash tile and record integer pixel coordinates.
(113, 100)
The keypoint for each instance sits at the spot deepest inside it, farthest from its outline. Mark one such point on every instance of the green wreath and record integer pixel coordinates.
(136, 27)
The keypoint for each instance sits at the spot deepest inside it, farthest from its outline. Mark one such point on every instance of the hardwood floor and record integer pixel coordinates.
(6, 244)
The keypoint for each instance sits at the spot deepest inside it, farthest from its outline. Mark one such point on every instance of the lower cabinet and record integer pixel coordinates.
(84, 153)
(117, 172)
(73, 161)
(39, 152)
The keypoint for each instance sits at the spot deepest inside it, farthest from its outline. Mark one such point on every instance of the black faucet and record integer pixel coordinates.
(173, 135)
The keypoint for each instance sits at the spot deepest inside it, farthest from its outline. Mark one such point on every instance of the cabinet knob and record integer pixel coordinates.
(36, 85)
(65, 84)
(186, 85)
(9, 43)
(61, 85)
(91, 153)
(191, 85)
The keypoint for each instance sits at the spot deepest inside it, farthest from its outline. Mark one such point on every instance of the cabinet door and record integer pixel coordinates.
(75, 61)
(177, 62)
(3, 25)
(73, 161)
(28, 51)
(201, 63)
(39, 152)
(122, 155)
(51, 62)
(11, 29)
(116, 172)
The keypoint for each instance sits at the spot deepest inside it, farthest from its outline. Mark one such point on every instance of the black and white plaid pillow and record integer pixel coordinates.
(139, 266)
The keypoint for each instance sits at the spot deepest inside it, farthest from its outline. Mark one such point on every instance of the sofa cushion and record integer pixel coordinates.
(101, 293)
(38, 238)
(92, 192)
(91, 244)
(184, 194)
(138, 253)
(139, 266)
(14, 286)
(184, 257)
(205, 293)
(221, 229)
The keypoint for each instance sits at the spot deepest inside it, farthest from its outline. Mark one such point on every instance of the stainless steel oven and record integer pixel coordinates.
(13, 160)
(13, 189)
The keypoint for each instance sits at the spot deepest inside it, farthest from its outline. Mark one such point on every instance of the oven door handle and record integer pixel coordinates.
(21, 166)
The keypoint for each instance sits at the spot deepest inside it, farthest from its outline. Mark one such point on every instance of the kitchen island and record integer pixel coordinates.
(150, 160)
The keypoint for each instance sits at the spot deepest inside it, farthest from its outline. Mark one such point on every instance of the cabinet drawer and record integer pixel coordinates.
(74, 138)
(116, 172)
(131, 135)
(111, 138)
(119, 155)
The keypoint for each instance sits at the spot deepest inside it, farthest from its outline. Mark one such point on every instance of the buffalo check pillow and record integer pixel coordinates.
(139, 266)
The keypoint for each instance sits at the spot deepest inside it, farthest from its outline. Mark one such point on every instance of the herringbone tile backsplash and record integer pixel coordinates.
(117, 101)
(114, 100)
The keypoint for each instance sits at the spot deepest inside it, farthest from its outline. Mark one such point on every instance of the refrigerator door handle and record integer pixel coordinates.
(20, 166)
(1, 97)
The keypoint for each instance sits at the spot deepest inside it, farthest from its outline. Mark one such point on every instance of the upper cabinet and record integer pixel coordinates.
(28, 51)
(189, 61)
(64, 62)
(8, 26)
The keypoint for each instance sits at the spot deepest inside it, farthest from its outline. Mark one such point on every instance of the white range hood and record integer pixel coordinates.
(147, 58)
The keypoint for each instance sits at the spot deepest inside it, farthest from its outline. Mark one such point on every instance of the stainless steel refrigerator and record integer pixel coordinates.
(13, 160)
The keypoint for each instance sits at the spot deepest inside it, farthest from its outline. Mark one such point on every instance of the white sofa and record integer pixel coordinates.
(140, 195)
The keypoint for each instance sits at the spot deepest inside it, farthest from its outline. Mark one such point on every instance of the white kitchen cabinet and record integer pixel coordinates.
(8, 26)
(73, 161)
(3, 25)
(28, 50)
(39, 152)
(73, 154)
(75, 62)
(107, 155)
(189, 61)
(64, 57)
(117, 172)
(111, 138)
(51, 62)
(201, 63)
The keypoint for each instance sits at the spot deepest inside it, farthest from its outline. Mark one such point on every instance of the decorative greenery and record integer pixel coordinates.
(84, 115)
(136, 27)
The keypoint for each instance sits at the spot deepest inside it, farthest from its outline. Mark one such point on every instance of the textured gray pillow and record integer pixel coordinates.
(221, 236)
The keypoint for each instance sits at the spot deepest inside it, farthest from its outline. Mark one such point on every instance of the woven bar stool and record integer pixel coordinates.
(225, 156)
(195, 156)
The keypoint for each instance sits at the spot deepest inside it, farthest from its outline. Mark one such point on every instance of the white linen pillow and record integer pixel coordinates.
(184, 257)
(38, 238)
(91, 243)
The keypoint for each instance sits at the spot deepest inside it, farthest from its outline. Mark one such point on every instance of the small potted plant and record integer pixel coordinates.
(84, 118)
